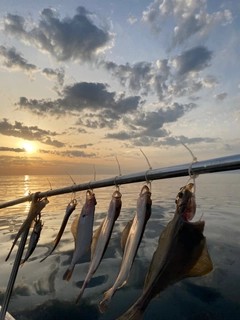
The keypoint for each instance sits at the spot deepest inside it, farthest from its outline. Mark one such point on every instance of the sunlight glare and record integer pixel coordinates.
(28, 147)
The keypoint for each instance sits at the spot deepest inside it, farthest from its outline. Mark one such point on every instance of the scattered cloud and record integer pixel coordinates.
(220, 96)
(82, 96)
(131, 19)
(190, 18)
(69, 153)
(51, 35)
(12, 149)
(192, 60)
(149, 124)
(32, 133)
(14, 61)
(168, 78)
(57, 75)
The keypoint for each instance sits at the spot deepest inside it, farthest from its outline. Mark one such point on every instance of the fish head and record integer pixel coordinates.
(145, 198)
(117, 197)
(185, 202)
(90, 197)
(90, 203)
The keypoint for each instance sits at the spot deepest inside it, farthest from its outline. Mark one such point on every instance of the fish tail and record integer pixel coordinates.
(10, 251)
(81, 291)
(104, 303)
(68, 274)
(134, 313)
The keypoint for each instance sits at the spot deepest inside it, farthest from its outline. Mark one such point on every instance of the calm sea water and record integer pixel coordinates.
(40, 292)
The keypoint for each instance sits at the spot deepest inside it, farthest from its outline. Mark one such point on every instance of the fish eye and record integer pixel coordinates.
(180, 195)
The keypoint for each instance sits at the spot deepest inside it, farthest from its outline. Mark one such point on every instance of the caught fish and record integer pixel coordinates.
(70, 208)
(81, 228)
(33, 239)
(130, 241)
(181, 253)
(35, 209)
(101, 238)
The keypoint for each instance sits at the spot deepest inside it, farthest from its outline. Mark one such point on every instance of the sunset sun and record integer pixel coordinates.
(28, 147)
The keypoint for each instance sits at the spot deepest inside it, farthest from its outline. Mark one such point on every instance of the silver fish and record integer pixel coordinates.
(101, 238)
(130, 241)
(33, 239)
(82, 227)
(69, 209)
(181, 253)
(35, 209)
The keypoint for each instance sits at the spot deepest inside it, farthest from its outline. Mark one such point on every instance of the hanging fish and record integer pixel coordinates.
(81, 229)
(69, 209)
(35, 209)
(33, 239)
(101, 238)
(130, 241)
(181, 253)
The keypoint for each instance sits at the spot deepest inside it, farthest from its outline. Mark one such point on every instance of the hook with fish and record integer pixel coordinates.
(150, 168)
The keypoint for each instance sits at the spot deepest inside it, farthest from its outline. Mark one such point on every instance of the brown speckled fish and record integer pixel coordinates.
(181, 253)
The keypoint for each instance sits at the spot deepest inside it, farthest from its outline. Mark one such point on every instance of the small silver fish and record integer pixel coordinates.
(33, 239)
(82, 228)
(35, 209)
(181, 253)
(69, 209)
(130, 241)
(101, 238)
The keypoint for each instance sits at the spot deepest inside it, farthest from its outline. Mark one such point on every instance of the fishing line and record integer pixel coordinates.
(119, 170)
(192, 176)
(150, 168)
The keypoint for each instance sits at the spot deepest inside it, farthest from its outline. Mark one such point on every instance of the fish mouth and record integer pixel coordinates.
(185, 202)
(145, 189)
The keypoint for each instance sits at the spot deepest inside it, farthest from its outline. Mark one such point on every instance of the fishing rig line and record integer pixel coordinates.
(200, 167)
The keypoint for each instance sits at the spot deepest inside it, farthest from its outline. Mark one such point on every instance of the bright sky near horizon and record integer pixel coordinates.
(85, 81)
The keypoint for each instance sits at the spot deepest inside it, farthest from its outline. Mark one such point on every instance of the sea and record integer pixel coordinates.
(41, 293)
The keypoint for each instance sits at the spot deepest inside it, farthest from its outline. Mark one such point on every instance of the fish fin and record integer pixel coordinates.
(203, 266)
(104, 303)
(74, 227)
(125, 234)
(95, 239)
(134, 313)
(68, 274)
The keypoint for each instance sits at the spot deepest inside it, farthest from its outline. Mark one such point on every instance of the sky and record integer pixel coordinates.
(86, 82)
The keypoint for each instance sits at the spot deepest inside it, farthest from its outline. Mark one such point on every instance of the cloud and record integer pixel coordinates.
(220, 96)
(190, 18)
(162, 78)
(83, 146)
(131, 19)
(52, 35)
(57, 74)
(69, 153)
(12, 149)
(150, 124)
(13, 60)
(32, 133)
(192, 60)
(83, 96)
